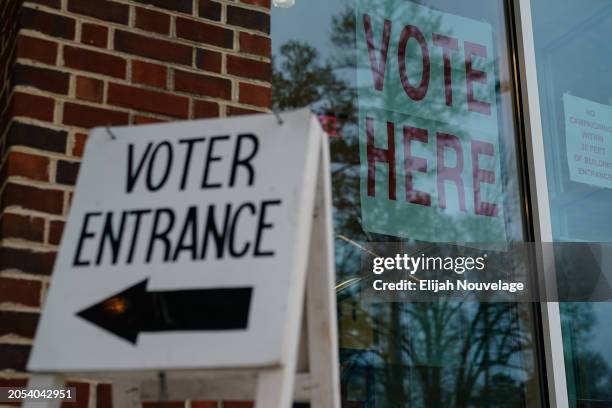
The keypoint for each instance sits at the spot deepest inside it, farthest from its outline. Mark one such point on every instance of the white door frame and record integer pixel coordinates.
(540, 205)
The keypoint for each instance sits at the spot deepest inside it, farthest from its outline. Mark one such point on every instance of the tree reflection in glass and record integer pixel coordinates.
(399, 354)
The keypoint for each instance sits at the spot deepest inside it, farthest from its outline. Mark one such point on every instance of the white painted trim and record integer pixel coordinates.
(540, 206)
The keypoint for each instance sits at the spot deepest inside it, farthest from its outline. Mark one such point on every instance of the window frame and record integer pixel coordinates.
(539, 205)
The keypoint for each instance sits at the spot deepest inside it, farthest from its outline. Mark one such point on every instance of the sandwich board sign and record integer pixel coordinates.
(191, 247)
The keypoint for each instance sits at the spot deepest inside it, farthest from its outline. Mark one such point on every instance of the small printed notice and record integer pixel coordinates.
(588, 135)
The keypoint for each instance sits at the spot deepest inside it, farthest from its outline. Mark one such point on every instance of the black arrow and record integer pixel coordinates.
(133, 311)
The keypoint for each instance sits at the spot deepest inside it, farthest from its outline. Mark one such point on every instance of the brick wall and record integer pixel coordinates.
(69, 65)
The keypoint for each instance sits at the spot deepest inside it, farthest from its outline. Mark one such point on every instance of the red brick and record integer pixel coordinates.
(49, 3)
(255, 44)
(89, 117)
(146, 120)
(82, 395)
(42, 78)
(104, 396)
(251, 19)
(28, 261)
(33, 198)
(101, 9)
(36, 49)
(20, 291)
(153, 48)
(93, 34)
(33, 106)
(148, 101)
(13, 382)
(56, 229)
(236, 111)
(54, 25)
(238, 404)
(202, 85)
(67, 172)
(89, 89)
(255, 95)
(22, 227)
(37, 137)
(205, 109)
(204, 33)
(248, 68)
(152, 21)
(149, 74)
(261, 3)
(209, 9)
(27, 165)
(14, 356)
(208, 60)
(183, 6)
(204, 404)
(79, 144)
(93, 61)
(168, 404)
(18, 323)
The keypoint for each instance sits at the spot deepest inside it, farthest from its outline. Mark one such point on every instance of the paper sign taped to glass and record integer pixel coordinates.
(588, 138)
(428, 127)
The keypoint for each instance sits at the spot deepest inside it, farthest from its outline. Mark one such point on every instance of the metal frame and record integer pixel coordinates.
(540, 206)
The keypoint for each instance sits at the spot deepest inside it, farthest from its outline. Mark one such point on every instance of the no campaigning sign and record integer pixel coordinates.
(183, 246)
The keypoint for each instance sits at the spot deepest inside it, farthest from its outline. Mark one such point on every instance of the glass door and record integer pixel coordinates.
(418, 99)
(574, 57)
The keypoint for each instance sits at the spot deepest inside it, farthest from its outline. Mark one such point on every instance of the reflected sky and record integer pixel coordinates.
(288, 24)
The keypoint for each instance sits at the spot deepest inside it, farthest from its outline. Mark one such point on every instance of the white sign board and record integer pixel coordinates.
(588, 138)
(428, 123)
(186, 247)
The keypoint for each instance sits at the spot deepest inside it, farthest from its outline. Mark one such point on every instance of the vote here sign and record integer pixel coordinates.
(429, 135)
(182, 246)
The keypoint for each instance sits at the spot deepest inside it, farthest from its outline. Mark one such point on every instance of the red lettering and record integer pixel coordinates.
(444, 140)
(419, 92)
(377, 155)
(447, 44)
(378, 68)
(474, 75)
(482, 176)
(414, 163)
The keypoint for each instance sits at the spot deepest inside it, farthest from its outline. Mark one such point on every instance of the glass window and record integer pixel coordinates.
(574, 56)
(417, 98)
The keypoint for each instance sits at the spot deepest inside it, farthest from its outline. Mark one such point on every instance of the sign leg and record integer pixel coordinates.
(321, 298)
(126, 394)
(44, 382)
(275, 388)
